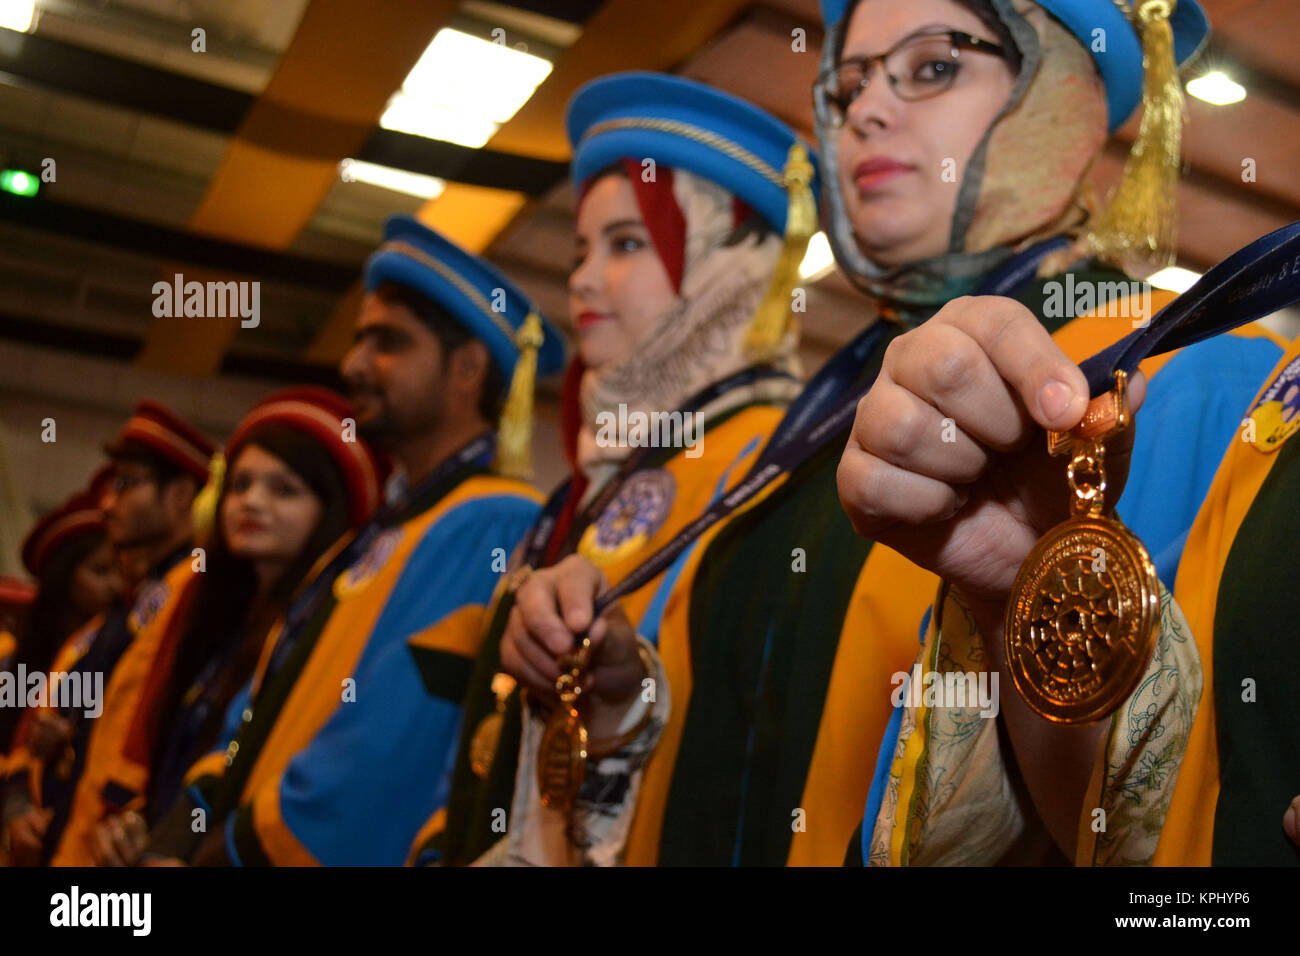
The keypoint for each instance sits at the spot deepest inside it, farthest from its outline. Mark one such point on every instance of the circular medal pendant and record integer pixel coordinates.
(562, 759)
(483, 745)
(1082, 620)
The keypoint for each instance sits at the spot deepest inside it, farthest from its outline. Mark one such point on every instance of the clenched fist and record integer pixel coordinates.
(947, 462)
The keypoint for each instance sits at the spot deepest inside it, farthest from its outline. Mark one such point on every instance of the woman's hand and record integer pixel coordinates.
(118, 840)
(947, 464)
(25, 833)
(947, 461)
(552, 609)
(1291, 821)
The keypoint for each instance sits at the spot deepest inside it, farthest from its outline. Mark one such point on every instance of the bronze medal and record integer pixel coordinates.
(562, 754)
(1084, 611)
(562, 759)
(483, 745)
(487, 735)
(1083, 618)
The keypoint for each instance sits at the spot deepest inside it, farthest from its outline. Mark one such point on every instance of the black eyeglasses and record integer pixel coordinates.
(917, 68)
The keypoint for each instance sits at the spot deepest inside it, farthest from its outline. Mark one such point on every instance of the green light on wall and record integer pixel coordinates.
(19, 182)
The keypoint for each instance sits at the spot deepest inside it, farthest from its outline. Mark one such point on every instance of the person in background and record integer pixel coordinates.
(295, 482)
(340, 747)
(69, 555)
(159, 464)
(78, 580)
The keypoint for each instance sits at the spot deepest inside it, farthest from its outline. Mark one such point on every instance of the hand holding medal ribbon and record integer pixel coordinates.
(1083, 616)
(906, 502)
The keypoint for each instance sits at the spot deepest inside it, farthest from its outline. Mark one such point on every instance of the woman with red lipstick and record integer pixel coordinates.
(684, 235)
(296, 482)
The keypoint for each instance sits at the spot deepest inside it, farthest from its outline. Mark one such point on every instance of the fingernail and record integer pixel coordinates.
(1288, 822)
(1054, 399)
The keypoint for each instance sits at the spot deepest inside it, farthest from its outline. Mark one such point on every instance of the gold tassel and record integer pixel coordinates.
(773, 317)
(204, 509)
(515, 432)
(1141, 220)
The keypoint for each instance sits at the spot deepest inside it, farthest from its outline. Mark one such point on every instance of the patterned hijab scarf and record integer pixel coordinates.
(719, 281)
(1025, 182)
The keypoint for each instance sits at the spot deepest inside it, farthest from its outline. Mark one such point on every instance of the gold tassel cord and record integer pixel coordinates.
(1141, 220)
(773, 316)
(515, 432)
(204, 509)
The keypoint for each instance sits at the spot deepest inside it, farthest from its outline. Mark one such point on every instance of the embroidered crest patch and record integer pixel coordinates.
(1276, 415)
(638, 510)
(368, 565)
(150, 601)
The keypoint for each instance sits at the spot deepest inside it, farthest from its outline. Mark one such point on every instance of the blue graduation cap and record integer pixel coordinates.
(682, 124)
(519, 339)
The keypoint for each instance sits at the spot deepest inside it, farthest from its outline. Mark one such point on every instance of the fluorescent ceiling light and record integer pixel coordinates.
(398, 180)
(410, 114)
(818, 260)
(1175, 279)
(1216, 88)
(18, 15)
(463, 88)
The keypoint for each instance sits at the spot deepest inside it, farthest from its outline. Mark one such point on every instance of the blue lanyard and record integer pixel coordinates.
(1253, 282)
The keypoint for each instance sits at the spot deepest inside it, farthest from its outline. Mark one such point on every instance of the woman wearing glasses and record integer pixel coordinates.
(957, 137)
(1076, 77)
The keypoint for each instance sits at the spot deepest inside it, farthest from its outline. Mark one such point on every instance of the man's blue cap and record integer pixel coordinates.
(470, 289)
(683, 124)
(1121, 63)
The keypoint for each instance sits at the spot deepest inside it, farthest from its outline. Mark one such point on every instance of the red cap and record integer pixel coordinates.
(15, 592)
(319, 413)
(78, 515)
(155, 427)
